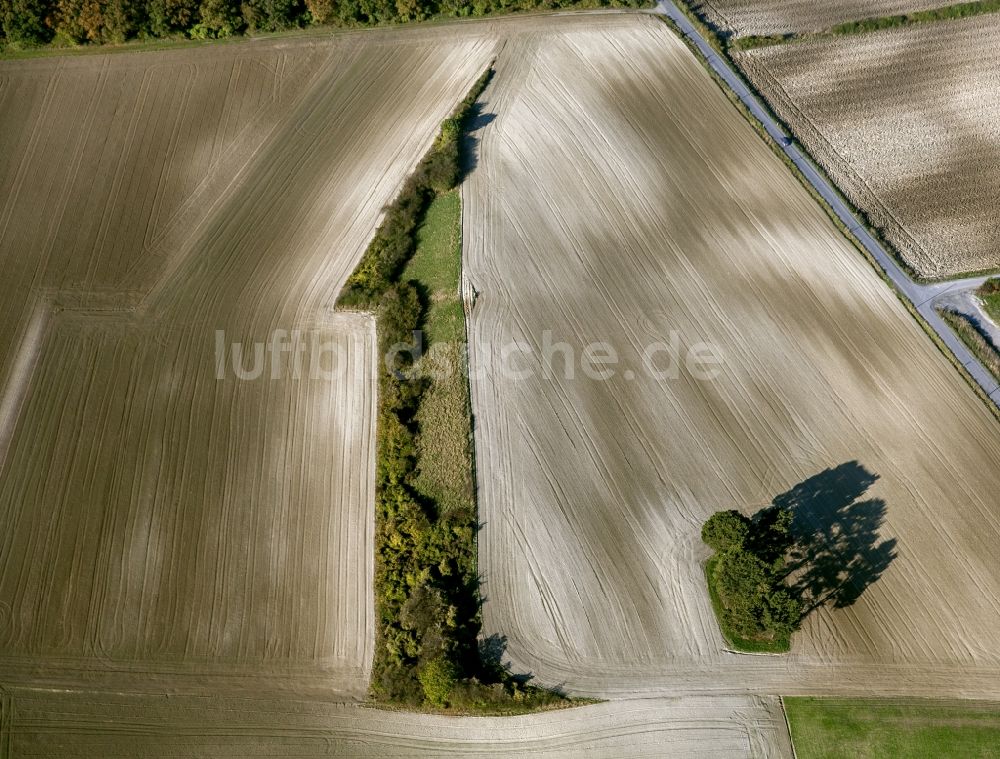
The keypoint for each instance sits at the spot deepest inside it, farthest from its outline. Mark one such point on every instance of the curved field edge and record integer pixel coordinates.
(975, 337)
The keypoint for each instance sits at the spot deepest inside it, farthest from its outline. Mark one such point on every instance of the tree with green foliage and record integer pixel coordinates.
(166, 17)
(437, 677)
(218, 19)
(725, 530)
(26, 22)
(273, 15)
(747, 574)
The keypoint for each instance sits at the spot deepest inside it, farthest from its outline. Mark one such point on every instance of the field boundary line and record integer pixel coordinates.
(6, 722)
(788, 726)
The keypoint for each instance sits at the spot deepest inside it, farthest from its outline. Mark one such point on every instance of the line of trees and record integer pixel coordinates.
(428, 606)
(748, 575)
(37, 22)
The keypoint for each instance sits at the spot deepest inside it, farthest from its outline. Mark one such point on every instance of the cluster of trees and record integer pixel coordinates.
(37, 22)
(426, 579)
(748, 573)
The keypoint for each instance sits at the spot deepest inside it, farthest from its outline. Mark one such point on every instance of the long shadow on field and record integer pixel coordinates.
(491, 652)
(838, 551)
(477, 119)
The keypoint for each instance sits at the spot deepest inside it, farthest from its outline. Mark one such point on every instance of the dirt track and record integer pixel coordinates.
(70, 725)
(619, 196)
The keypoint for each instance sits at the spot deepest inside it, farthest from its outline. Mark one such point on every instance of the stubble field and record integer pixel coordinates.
(904, 121)
(745, 17)
(618, 196)
(162, 524)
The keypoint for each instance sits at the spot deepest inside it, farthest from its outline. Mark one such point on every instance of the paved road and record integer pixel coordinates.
(922, 296)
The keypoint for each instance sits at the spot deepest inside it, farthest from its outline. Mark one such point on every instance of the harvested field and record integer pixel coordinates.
(904, 121)
(164, 522)
(618, 197)
(61, 726)
(745, 17)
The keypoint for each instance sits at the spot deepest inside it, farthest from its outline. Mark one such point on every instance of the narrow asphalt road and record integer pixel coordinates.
(922, 296)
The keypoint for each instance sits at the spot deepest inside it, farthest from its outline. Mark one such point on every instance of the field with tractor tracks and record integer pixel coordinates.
(620, 199)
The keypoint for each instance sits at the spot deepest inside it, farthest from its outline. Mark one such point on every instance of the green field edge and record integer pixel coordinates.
(713, 41)
(898, 728)
(953, 12)
(9, 52)
(733, 640)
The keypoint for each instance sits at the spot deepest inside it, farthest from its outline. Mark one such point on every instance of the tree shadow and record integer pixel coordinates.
(476, 120)
(491, 652)
(837, 551)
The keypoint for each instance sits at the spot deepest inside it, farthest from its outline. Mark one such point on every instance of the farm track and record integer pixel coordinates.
(75, 725)
(903, 122)
(593, 492)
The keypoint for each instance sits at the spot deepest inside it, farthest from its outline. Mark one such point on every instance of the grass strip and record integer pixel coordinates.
(975, 339)
(444, 458)
(833, 728)
(428, 606)
(872, 24)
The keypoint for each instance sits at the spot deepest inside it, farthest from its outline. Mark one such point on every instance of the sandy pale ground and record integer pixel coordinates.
(619, 197)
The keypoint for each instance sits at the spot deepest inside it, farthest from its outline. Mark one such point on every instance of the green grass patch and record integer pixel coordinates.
(944, 13)
(974, 338)
(735, 641)
(436, 266)
(444, 443)
(828, 728)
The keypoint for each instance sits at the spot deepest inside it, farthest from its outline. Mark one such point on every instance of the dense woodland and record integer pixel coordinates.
(25, 23)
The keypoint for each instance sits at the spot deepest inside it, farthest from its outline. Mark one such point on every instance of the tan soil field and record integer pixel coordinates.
(905, 123)
(159, 522)
(745, 17)
(167, 532)
(618, 195)
(78, 725)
